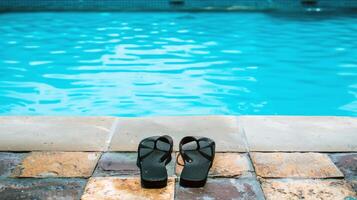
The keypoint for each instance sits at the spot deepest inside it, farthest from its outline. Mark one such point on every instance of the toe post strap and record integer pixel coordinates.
(145, 149)
(201, 144)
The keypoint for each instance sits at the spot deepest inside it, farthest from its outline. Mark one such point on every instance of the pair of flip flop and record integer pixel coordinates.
(154, 153)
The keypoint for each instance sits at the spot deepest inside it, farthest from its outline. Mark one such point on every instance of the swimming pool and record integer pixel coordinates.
(142, 63)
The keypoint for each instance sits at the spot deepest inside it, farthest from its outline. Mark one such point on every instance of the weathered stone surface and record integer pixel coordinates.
(353, 183)
(301, 165)
(8, 162)
(288, 133)
(225, 189)
(54, 133)
(307, 189)
(223, 129)
(123, 164)
(112, 188)
(227, 165)
(41, 189)
(57, 164)
(347, 163)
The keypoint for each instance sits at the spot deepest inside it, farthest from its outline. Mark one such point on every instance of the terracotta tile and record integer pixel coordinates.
(223, 129)
(227, 165)
(224, 189)
(347, 163)
(301, 165)
(55, 133)
(298, 133)
(307, 189)
(23, 189)
(8, 162)
(57, 164)
(123, 165)
(112, 188)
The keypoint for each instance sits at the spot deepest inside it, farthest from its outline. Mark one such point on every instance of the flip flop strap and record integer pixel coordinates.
(165, 139)
(186, 158)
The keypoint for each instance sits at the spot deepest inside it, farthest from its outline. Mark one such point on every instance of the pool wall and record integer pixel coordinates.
(82, 5)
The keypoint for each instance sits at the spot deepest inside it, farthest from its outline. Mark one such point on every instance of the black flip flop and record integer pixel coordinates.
(198, 155)
(154, 153)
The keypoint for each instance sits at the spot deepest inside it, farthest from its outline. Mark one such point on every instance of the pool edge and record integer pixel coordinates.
(232, 133)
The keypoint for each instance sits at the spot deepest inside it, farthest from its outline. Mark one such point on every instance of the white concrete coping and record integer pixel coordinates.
(231, 133)
(54, 133)
(300, 133)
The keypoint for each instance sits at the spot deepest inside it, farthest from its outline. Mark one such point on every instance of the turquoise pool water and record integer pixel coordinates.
(141, 64)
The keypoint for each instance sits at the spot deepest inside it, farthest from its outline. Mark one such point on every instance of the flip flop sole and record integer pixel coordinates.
(153, 172)
(153, 184)
(192, 184)
(198, 161)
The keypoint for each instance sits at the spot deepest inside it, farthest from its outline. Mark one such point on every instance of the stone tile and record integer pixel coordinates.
(54, 133)
(123, 165)
(223, 129)
(307, 189)
(287, 133)
(225, 189)
(24, 189)
(112, 188)
(353, 183)
(8, 162)
(57, 164)
(347, 163)
(300, 165)
(227, 165)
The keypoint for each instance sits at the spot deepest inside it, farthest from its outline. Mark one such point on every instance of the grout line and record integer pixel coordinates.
(303, 178)
(257, 178)
(82, 192)
(242, 130)
(96, 165)
(175, 190)
(111, 134)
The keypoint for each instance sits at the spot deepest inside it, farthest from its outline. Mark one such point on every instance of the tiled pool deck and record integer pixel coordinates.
(259, 157)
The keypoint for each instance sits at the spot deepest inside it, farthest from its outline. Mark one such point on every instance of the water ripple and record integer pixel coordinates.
(138, 64)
